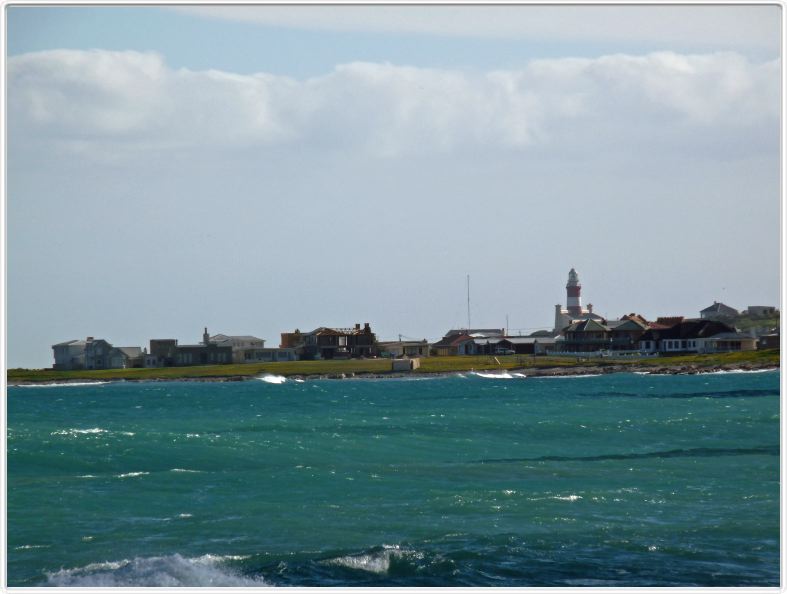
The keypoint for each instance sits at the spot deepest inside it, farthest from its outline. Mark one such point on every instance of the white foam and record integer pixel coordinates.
(184, 470)
(725, 371)
(73, 432)
(168, 571)
(503, 375)
(567, 497)
(376, 562)
(273, 379)
(27, 547)
(60, 384)
(131, 474)
(568, 376)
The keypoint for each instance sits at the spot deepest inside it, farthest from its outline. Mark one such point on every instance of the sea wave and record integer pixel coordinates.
(273, 379)
(375, 561)
(503, 375)
(74, 432)
(131, 474)
(167, 571)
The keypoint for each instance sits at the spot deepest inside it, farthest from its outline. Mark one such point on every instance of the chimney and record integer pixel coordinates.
(205, 337)
(590, 308)
(366, 327)
(357, 326)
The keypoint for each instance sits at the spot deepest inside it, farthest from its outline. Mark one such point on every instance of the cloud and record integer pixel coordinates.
(722, 26)
(80, 99)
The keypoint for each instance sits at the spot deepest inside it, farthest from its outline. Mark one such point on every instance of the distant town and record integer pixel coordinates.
(577, 331)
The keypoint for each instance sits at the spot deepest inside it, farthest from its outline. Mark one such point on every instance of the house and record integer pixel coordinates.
(166, 352)
(718, 311)
(468, 341)
(770, 341)
(624, 334)
(245, 349)
(727, 341)
(95, 353)
(587, 336)
(332, 343)
(69, 355)
(454, 344)
(685, 337)
(126, 357)
(532, 345)
(404, 348)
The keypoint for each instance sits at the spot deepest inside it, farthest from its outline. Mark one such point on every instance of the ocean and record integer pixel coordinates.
(613, 480)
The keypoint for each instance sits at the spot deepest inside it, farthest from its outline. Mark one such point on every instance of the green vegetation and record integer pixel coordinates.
(744, 322)
(379, 366)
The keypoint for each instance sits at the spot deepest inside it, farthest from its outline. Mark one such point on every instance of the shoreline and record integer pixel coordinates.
(527, 372)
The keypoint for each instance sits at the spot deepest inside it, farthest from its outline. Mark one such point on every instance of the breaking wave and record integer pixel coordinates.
(376, 561)
(273, 379)
(503, 375)
(168, 571)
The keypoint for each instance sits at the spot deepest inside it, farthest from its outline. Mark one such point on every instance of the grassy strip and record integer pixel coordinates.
(380, 366)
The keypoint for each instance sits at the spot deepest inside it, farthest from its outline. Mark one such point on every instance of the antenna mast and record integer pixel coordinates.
(468, 302)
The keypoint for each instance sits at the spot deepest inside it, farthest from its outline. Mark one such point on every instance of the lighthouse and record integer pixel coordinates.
(573, 301)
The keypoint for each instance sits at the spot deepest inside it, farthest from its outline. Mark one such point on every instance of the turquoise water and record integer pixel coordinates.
(613, 480)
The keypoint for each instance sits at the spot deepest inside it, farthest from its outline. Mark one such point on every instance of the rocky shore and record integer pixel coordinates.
(558, 371)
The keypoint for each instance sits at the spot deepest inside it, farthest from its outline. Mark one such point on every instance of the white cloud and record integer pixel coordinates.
(721, 26)
(133, 100)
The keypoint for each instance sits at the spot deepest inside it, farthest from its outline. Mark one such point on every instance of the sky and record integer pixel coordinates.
(257, 169)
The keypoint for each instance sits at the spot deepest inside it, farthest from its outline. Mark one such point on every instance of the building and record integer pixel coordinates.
(453, 344)
(685, 337)
(404, 348)
(718, 311)
(585, 336)
(166, 352)
(250, 349)
(573, 310)
(95, 353)
(726, 342)
(332, 343)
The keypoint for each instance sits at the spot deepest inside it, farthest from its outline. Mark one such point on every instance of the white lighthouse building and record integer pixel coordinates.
(573, 310)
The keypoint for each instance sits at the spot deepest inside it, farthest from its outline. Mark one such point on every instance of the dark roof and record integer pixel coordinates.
(449, 341)
(586, 326)
(731, 336)
(468, 331)
(720, 308)
(688, 329)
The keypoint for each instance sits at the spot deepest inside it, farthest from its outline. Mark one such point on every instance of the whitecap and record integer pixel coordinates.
(374, 562)
(273, 379)
(503, 375)
(73, 432)
(131, 474)
(27, 547)
(567, 376)
(567, 497)
(167, 571)
(184, 470)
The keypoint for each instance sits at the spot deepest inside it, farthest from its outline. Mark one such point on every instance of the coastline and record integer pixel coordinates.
(527, 372)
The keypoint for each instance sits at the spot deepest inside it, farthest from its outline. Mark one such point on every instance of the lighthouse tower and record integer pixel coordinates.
(573, 301)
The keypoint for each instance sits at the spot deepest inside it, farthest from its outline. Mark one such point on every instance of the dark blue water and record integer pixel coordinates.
(623, 480)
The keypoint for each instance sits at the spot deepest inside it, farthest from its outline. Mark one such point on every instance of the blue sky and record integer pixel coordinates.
(192, 40)
(259, 169)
